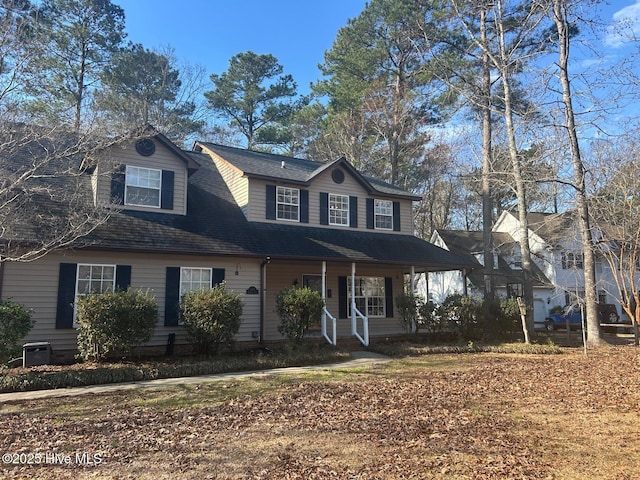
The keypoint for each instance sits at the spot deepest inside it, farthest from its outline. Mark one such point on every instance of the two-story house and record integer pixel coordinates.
(557, 262)
(506, 275)
(259, 222)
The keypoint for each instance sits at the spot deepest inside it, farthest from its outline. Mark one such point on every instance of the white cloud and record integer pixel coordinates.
(625, 27)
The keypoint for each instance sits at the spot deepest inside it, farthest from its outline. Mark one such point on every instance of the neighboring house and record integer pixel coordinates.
(259, 222)
(506, 274)
(556, 253)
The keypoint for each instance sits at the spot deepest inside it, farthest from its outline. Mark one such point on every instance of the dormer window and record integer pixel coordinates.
(288, 204)
(383, 214)
(143, 186)
(338, 209)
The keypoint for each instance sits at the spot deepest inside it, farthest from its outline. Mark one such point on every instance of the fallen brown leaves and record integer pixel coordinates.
(484, 416)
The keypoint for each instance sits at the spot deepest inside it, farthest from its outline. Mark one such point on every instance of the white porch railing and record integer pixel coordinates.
(323, 323)
(355, 314)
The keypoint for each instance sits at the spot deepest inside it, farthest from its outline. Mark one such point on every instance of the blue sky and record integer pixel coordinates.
(210, 32)
(296, 32)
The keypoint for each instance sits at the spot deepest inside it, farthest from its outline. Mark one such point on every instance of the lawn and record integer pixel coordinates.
(440, 416)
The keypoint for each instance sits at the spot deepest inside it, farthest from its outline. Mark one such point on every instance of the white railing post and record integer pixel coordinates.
(355, 313)
(325, 313)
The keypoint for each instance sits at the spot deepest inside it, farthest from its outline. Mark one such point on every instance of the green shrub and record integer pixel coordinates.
(430, 316)
(464, 315)
(15, 323)
(114, 321)
(408, 306)
(509, 317)
(298, 308)
(211, 317)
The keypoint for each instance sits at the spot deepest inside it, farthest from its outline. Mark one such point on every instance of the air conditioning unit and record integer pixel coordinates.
(37, 353)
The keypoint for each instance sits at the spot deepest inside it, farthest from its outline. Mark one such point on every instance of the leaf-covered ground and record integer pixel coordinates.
(475, 416)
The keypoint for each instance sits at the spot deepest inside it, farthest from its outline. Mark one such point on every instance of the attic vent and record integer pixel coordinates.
(337, 175)
(145, 147)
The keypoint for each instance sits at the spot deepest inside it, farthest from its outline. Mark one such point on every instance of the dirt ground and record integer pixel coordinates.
(465, 416)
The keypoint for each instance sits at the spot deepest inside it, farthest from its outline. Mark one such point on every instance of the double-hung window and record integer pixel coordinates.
(383, 210)
(194, 279)
(94, 279)
(142, 186)
(338, 209)
(288, 204)
(369, 295)
(572, 260)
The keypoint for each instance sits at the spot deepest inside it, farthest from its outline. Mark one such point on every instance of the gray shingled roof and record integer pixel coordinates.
(466, 243)
(215, 225)
(296, 170)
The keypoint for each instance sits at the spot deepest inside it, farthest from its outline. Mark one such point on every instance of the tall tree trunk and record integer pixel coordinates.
(525, 250)
(591, 297)
(487, 207)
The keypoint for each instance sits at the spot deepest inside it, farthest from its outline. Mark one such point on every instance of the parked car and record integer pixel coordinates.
(607, 312)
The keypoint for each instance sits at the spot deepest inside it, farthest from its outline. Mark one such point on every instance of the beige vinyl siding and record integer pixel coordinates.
(162, 159)
(35, 285)
(238, 185)
(282, 275)
(324, 183)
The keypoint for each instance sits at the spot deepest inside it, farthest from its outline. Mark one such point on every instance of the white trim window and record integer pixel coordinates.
(383, 210)
(369, 295)
(93, 279)
(288, 204)
(193, 279)
(338, 209)
(572, 260)
(143, 186)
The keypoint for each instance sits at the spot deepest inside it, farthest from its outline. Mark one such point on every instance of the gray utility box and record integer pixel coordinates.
(37, 353)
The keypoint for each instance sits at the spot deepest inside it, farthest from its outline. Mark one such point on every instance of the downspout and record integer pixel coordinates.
(263, 293)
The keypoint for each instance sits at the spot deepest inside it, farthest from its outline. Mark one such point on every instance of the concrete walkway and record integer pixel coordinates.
(360, 359)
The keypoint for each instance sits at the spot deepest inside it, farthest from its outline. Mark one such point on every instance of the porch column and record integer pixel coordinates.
(353, 299)
(412, 286)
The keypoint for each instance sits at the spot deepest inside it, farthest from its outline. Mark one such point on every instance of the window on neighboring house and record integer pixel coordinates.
(142, 186)
(94, 279)
(369, 295)
(288, 204)
(383, 214)
(602, 297)
(572, 260)
(338, 209)
(574, 298)
(514, 290)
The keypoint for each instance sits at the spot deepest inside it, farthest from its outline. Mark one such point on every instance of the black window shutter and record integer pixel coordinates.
(343, 301)
(324, 208)
(123, 277)
(117, 185)
(166, 196)
(217, 276)
(271, 202)
(353, 212)
(66, 295)
(388, 296)
(304, 206)
(370, 213)
(172, 296)
(396, 216)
